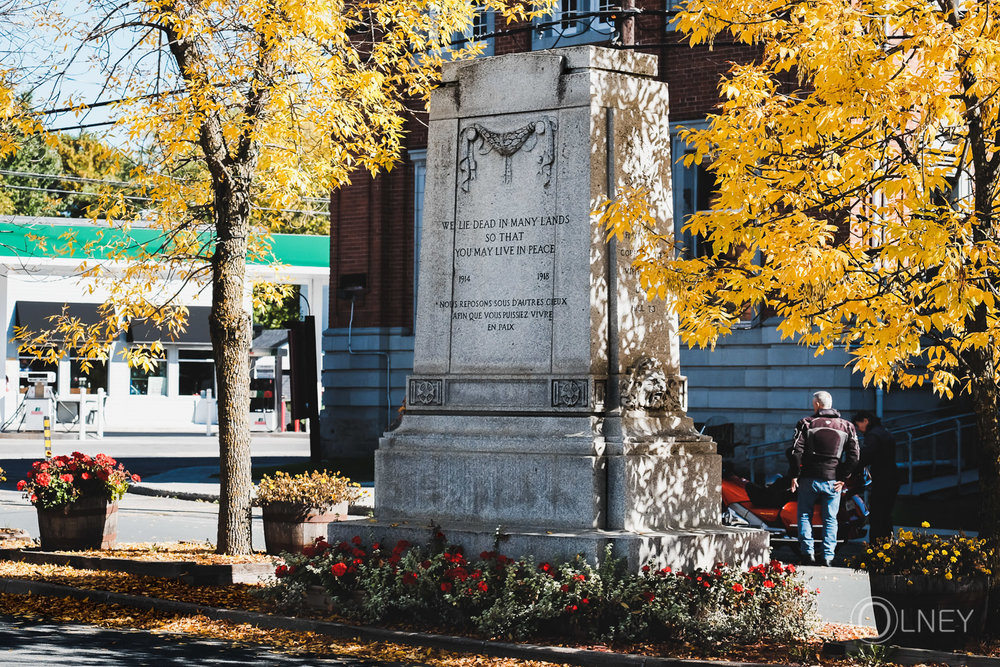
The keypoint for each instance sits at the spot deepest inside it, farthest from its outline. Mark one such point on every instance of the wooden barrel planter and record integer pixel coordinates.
(929, 612)
(289, 527)
(89, 523)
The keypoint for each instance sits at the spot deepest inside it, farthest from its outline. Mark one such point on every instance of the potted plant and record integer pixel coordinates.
(928, 590)
(297, 509)
(77, 500)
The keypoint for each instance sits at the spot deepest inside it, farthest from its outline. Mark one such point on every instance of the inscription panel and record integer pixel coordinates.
(504, 249)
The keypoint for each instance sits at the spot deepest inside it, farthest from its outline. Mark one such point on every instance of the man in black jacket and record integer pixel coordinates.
(879, 454)
(823, 456)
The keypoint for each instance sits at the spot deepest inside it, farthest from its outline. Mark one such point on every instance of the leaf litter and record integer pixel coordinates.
(239, 596)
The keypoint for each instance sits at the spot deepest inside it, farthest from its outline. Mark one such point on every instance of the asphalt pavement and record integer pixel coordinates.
(25, 642)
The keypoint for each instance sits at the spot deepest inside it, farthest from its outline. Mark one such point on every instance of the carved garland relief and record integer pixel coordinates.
(508, 144)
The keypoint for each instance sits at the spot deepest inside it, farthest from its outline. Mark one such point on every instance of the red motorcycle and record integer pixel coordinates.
(774, 507)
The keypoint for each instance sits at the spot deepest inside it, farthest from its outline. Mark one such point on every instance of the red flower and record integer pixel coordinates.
(666, 570)
(486, 555)
(564, 588)
(357, 553)
(85, 475)
(790, 568)
(281, 571)
(66, 478)
(648, 596)
(580, 577)
(571, 608)
(43, 478)
(426, 564)
(339, 569)
(585, 601)
(482, 586)
(446, 586)
(738, 588)
(34, 499)
(545, 567)
(409, 578)
(21, 484)
(645, 568)
(136, 479)
(356, 540)
(376, 546)
(768, 583)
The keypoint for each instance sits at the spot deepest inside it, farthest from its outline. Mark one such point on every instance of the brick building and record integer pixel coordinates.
(752, 385)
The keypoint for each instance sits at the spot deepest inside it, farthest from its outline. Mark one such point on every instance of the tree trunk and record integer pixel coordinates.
(230, 327)
(985, 401)
(984, 398)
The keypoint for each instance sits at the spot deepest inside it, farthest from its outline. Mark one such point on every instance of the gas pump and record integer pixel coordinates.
(263, 416)
(39, 400)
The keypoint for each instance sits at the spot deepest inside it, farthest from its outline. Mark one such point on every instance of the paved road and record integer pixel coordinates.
(34, 643)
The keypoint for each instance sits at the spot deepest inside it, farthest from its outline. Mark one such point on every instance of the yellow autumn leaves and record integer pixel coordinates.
(855, 169)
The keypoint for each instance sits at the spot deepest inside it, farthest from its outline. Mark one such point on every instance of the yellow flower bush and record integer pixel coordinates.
(954, 557)
(312, 489)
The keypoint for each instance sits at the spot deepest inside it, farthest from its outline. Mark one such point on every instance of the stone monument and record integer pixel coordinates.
(546, 406)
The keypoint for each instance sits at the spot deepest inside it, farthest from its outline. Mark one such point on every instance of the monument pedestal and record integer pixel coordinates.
(546, 409)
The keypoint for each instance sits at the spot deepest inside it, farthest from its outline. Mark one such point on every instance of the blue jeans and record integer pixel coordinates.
(822, 492)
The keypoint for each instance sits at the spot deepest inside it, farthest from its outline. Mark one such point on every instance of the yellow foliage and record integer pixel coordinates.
(265, 105)
(860, 204)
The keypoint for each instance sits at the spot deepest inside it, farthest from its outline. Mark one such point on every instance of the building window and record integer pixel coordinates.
(574, 22)
(694, 186)
(87, 380)
(195, 372)
(149, 383)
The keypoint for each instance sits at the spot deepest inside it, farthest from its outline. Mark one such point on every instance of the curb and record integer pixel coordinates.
(179, 495)
(495, 649)
(352, 510)
(194, 574)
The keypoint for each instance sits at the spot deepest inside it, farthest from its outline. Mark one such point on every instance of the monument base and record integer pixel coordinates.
(681, 550)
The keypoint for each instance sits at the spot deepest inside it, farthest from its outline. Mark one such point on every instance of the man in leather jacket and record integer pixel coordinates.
(823, 455)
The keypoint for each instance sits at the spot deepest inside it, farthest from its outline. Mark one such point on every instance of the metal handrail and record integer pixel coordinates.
(757, 452)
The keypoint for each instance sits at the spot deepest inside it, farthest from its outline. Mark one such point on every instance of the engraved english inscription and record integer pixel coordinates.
(504, 240)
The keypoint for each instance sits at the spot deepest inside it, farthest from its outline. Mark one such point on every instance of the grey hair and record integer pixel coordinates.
(824, 399)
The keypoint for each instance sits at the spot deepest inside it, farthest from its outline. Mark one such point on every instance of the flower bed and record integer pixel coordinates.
(918, 553)
(497, 596)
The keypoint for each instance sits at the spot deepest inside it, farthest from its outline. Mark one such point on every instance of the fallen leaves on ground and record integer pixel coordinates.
(201, 553)
(234, 596)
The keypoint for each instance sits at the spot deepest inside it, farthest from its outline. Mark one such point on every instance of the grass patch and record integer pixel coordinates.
(357, 468)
